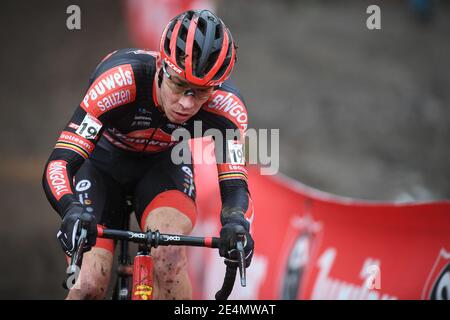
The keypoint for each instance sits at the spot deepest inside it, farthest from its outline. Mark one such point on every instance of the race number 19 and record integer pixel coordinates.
(89, 128)
(236, 152)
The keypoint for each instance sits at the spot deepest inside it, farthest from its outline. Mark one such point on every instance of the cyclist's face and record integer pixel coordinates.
(181, 100)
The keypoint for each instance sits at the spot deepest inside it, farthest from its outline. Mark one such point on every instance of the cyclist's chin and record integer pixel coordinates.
(177, 117)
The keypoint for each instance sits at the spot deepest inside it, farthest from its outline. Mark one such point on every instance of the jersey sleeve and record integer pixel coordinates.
(111, 86)
(231, 117)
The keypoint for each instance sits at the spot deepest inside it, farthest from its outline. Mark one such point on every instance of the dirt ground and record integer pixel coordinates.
(362, 113)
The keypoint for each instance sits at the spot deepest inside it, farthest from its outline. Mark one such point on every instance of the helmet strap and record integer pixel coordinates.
(160, 77)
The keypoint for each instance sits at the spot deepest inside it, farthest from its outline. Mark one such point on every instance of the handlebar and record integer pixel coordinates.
(228, 283)
(154, 239)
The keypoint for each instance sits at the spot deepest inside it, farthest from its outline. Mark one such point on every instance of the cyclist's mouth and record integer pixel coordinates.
(182, 115)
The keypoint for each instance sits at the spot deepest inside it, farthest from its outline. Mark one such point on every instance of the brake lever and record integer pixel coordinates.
(242, 273)
(77, 257)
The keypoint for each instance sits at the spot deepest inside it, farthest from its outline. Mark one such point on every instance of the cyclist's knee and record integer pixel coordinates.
(170, 262)
(168, 220)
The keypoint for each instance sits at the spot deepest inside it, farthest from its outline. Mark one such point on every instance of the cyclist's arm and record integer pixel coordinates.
(231, 165)
(71, 149)
(112, 78)
(235, 195)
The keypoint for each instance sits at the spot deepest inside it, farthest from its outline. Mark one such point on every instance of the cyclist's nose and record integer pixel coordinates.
(187, 102)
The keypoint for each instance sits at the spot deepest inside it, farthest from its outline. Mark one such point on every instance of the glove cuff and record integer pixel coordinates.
(74, 208)
(234, 215)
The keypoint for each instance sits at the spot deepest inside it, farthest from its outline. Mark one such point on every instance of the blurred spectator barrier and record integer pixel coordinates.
(313, 245)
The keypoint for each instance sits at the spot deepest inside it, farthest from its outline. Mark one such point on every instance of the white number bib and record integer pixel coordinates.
(89, 128)
(236, 152)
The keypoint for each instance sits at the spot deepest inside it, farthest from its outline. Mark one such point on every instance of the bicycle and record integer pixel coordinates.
(141, 271)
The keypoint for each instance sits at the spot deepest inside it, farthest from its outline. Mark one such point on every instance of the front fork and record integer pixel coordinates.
(122, 290)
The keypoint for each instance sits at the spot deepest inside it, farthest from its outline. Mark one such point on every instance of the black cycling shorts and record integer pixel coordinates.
(111, 177)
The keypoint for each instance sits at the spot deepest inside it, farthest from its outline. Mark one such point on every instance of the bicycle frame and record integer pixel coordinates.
(122, 289)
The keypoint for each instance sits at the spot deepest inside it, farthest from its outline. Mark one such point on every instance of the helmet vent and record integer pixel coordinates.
(208, 42)
(201, 26)
(218, 33)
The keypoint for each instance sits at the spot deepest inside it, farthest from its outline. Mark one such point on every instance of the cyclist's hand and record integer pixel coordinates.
(233, 228)
(70, 230)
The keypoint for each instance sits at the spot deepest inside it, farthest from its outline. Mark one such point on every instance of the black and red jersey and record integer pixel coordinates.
(120, 112)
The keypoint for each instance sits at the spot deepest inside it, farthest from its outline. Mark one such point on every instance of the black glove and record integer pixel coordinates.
(70, 229)
(234, 226)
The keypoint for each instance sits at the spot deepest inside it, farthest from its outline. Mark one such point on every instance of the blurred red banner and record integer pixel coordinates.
(313, 245)
(146, 19)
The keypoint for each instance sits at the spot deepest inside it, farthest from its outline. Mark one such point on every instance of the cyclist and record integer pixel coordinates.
(119, 142)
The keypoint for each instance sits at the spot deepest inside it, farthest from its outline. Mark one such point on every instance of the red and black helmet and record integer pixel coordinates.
(198, 47)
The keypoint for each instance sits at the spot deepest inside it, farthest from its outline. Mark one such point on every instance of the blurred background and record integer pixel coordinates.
(362, 113)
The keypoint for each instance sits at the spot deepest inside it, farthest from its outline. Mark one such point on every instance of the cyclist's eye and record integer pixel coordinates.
(203, 96)
(177, 87)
